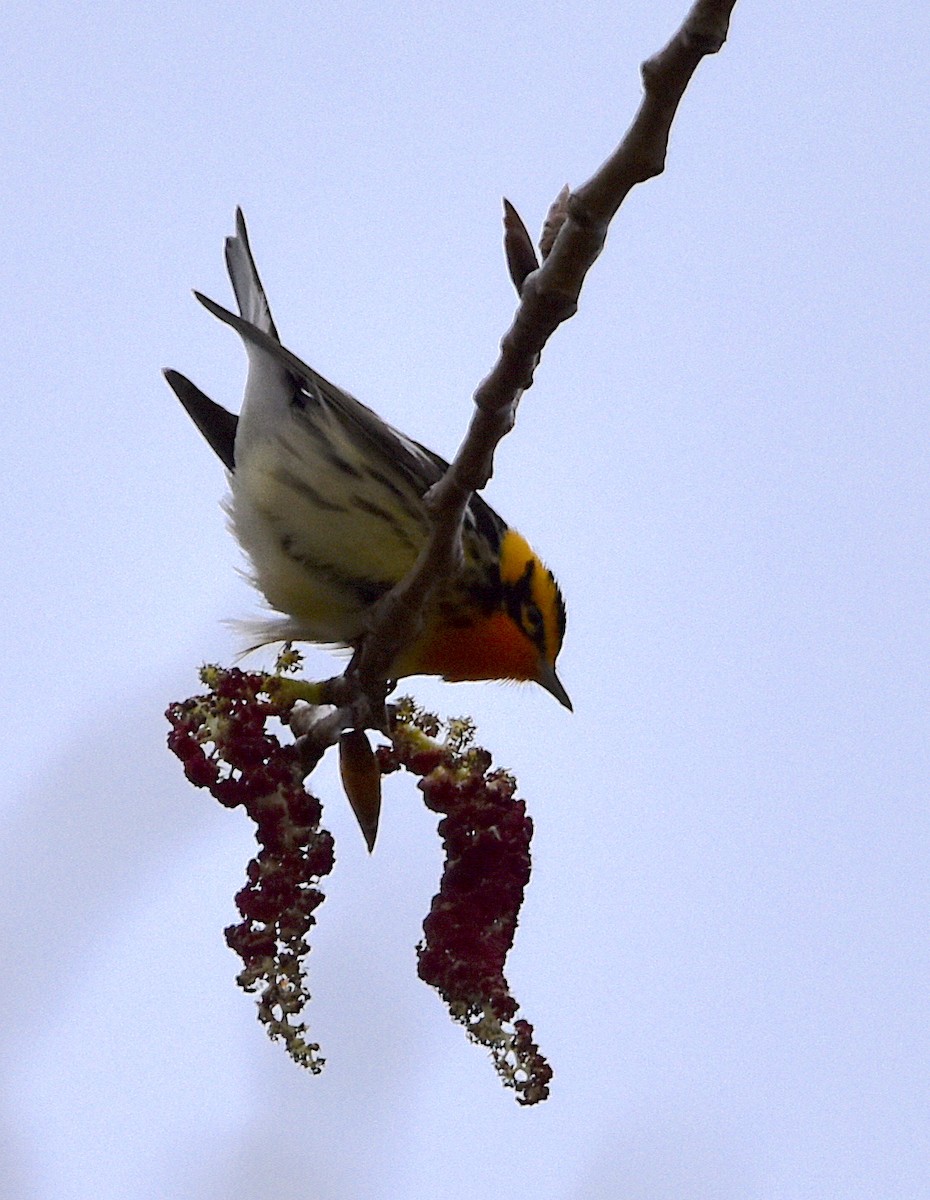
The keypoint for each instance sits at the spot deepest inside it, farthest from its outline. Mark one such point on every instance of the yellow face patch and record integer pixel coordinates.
(541, 612)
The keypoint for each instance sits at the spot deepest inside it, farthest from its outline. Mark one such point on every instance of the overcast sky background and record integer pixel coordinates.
(724, 947)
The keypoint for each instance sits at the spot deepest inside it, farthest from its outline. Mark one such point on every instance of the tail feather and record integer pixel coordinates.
(250, 295)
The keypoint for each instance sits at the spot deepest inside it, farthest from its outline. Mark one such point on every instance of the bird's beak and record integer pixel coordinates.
(548, 679)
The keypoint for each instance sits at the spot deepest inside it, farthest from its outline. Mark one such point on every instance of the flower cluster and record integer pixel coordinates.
(471, 925)
(222, 740)
(225, 743)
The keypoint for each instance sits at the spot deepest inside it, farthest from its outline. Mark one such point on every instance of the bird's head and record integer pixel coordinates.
(515, 632)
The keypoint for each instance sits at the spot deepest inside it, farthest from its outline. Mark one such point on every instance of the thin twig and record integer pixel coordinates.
(574, 235)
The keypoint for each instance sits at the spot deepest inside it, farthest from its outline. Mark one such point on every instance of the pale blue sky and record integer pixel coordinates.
(724, 947)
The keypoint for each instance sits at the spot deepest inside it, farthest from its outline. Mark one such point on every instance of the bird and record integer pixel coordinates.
(327, 502)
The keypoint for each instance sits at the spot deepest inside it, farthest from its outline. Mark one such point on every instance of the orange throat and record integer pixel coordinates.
(490, 647)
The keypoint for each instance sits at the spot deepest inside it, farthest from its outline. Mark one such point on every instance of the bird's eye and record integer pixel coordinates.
(533, 621)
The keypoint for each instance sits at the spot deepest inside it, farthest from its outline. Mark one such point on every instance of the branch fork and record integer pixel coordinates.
(573, 236)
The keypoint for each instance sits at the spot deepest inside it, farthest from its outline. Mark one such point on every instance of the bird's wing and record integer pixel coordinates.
(216, 423)
(282, 388)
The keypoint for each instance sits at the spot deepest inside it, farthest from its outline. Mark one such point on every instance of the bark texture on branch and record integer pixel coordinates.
(573, 236)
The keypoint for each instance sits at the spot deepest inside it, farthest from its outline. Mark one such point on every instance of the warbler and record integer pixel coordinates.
(326, 500)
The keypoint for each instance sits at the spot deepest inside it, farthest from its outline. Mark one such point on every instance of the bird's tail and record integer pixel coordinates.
(250, 295)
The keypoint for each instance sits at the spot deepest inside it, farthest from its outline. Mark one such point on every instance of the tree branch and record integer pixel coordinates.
(573, 236)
